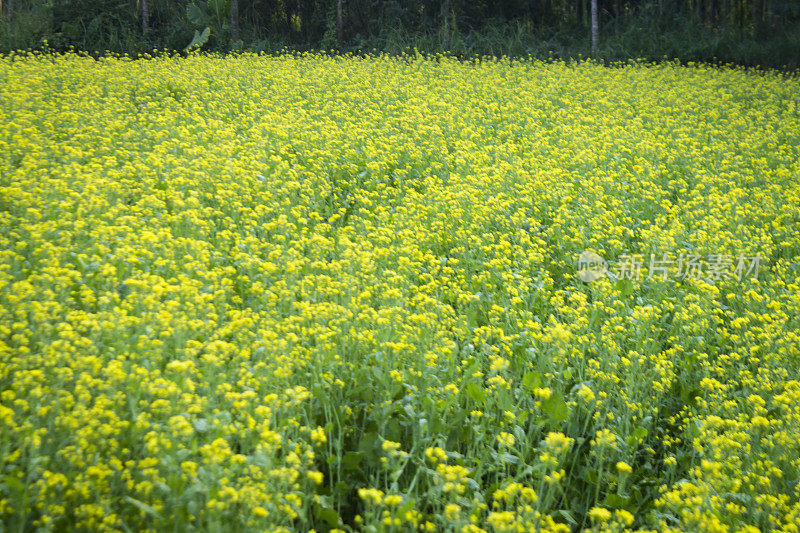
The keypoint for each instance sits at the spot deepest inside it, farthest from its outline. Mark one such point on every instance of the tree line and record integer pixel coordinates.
(750, 32)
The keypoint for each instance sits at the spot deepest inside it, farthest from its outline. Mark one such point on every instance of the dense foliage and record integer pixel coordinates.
(261, 292)
(748, 32)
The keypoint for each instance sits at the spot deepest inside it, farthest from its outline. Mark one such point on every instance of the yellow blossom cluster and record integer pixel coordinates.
(339, 293)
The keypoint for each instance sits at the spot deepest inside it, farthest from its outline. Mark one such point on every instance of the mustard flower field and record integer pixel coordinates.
(306, 292)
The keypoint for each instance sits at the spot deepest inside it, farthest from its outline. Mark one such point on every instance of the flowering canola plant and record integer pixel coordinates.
(307, 292)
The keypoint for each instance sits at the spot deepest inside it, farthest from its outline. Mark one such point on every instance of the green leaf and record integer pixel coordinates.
(693, 430)
(143, 507)
(70, 30)
(532, 380)
(94, 24)
(351, 460)
(475, 392)
(369, 444)
(199, 39)
(614, 501)
(568, 518)
(555, 408)
(637, 436)
(197, 16)
(407, 506)
(625, 287)
(393, 430)
(508, 458)
(329, 516)
(14, 484)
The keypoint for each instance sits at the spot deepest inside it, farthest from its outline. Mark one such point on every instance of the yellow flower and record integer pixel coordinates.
(624, 516)
(203, 258)
(599, 515)
(604, 438)
(373, 496)
(452, 511)
(435, 454)
(557, 442)
(505, 439)
(318, 436)
(624, 468)
(586, 394)
(390, 446)
(393, 499)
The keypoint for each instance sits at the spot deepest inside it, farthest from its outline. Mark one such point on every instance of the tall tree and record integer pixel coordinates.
(339, 29)
(595, 27)
(145, 17)
(234, 20)
(445, 25)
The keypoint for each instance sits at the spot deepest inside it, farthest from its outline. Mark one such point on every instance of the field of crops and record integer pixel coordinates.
(289, 293)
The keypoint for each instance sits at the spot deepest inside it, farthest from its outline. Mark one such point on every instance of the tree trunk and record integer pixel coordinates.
(145, 17)
(234, 20)
(745, 14)
(580, 13)
(446, 25)
(339, 28)
(300, 21)
(595, 28)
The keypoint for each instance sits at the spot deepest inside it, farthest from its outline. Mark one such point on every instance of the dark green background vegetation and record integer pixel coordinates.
(747, 32)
